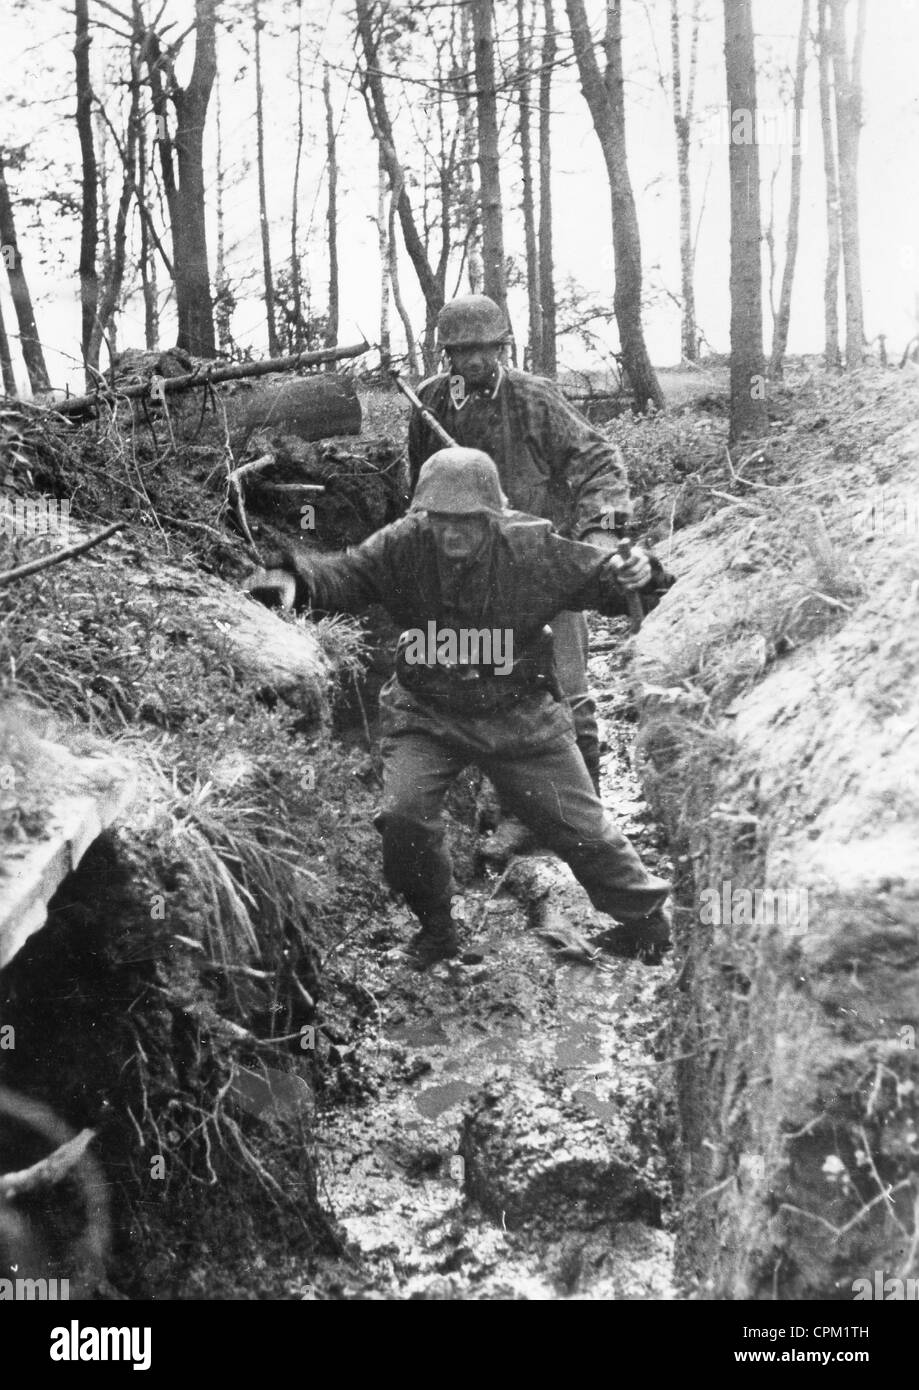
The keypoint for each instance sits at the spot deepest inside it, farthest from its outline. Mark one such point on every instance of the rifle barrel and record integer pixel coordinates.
(430, 420)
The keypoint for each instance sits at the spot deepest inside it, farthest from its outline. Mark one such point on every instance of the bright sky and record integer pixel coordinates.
(36, 93)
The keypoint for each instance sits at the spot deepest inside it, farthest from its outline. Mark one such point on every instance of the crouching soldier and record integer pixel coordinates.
(475, 584)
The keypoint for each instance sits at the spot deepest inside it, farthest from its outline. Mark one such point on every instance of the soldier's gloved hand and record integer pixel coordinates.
(634, 572)
(282, 581)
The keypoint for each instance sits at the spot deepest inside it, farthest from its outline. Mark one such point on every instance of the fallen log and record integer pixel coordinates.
(310, 408)
(235, 371)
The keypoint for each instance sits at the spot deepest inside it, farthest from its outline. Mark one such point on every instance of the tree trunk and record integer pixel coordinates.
(147, 262)
(89, 280)
(547, 363)
(183, 176)
(29, 341)
(495, 275)
(6, 361)
(604, 95)
(748, 397)
(848, 85)
(467, 202)
(682, 125)
(831, 183)
(411, 348)
(780, 334)
(382, 128)
(105, 223)
(148, 237)
(524, 48)
(385, 265)
(223, 307)
(104, 325)
(267, 274)
(296, 283)
(331, 146)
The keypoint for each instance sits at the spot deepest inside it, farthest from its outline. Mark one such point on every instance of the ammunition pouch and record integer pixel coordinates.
(473, 688)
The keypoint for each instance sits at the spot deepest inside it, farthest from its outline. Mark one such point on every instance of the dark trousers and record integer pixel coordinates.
(571, 647)
(548, 788)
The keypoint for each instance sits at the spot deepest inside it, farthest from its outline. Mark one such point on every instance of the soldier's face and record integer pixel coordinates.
(459, 537)
(474, 362)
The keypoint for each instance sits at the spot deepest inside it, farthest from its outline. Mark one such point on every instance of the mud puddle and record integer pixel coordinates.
(508, 1133)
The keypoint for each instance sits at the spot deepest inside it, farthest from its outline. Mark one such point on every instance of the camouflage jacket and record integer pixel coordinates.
(522, 576)
(551, 461)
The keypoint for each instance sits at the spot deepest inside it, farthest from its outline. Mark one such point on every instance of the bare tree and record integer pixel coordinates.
(495, 276)
(524, 59)
(182, 164)
(223, 299)
(748, 396)
(258, 25)
(378, 112)
(332, 216)
(410, 344)
(682, 125)
(6, 361)
(29, 341)
(847, 81)
(547, 360)
(104, 325)
(783, 317)
(604, 95)
(466, 202)
(296, 279)
(385, 264)
(147, 260)
(89, 231)
(831, 182)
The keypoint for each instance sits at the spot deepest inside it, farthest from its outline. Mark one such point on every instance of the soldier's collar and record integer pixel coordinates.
(460, 400)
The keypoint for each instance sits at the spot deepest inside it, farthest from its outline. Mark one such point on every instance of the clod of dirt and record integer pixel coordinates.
(517, 1171)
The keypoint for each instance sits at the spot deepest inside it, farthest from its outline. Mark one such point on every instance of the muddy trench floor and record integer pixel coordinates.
(511, 1129)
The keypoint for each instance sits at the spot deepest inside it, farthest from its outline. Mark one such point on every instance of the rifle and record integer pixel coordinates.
(636, 612)
(430, 420)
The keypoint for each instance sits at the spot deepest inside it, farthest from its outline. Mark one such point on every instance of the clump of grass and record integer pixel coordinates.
(682, 761)
(342, 641)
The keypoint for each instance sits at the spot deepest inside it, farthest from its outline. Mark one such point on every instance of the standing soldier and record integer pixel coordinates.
(551, 463)
(461, 568)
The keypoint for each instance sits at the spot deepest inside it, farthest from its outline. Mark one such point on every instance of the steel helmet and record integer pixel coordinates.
(457, 482)
(471, 318)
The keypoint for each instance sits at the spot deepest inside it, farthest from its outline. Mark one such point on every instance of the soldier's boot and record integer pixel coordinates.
(647, 939)
(438, 938)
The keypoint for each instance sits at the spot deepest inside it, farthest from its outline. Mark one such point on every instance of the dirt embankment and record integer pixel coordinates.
(780, 741)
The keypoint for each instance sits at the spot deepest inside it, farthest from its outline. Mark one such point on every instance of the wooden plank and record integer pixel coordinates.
(32, 871)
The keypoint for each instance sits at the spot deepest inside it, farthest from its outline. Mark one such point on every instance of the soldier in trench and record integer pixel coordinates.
(460, 562)
(551, 463)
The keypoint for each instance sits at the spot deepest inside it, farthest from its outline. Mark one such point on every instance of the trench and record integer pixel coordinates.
(513, 1133)
(501, 1128)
